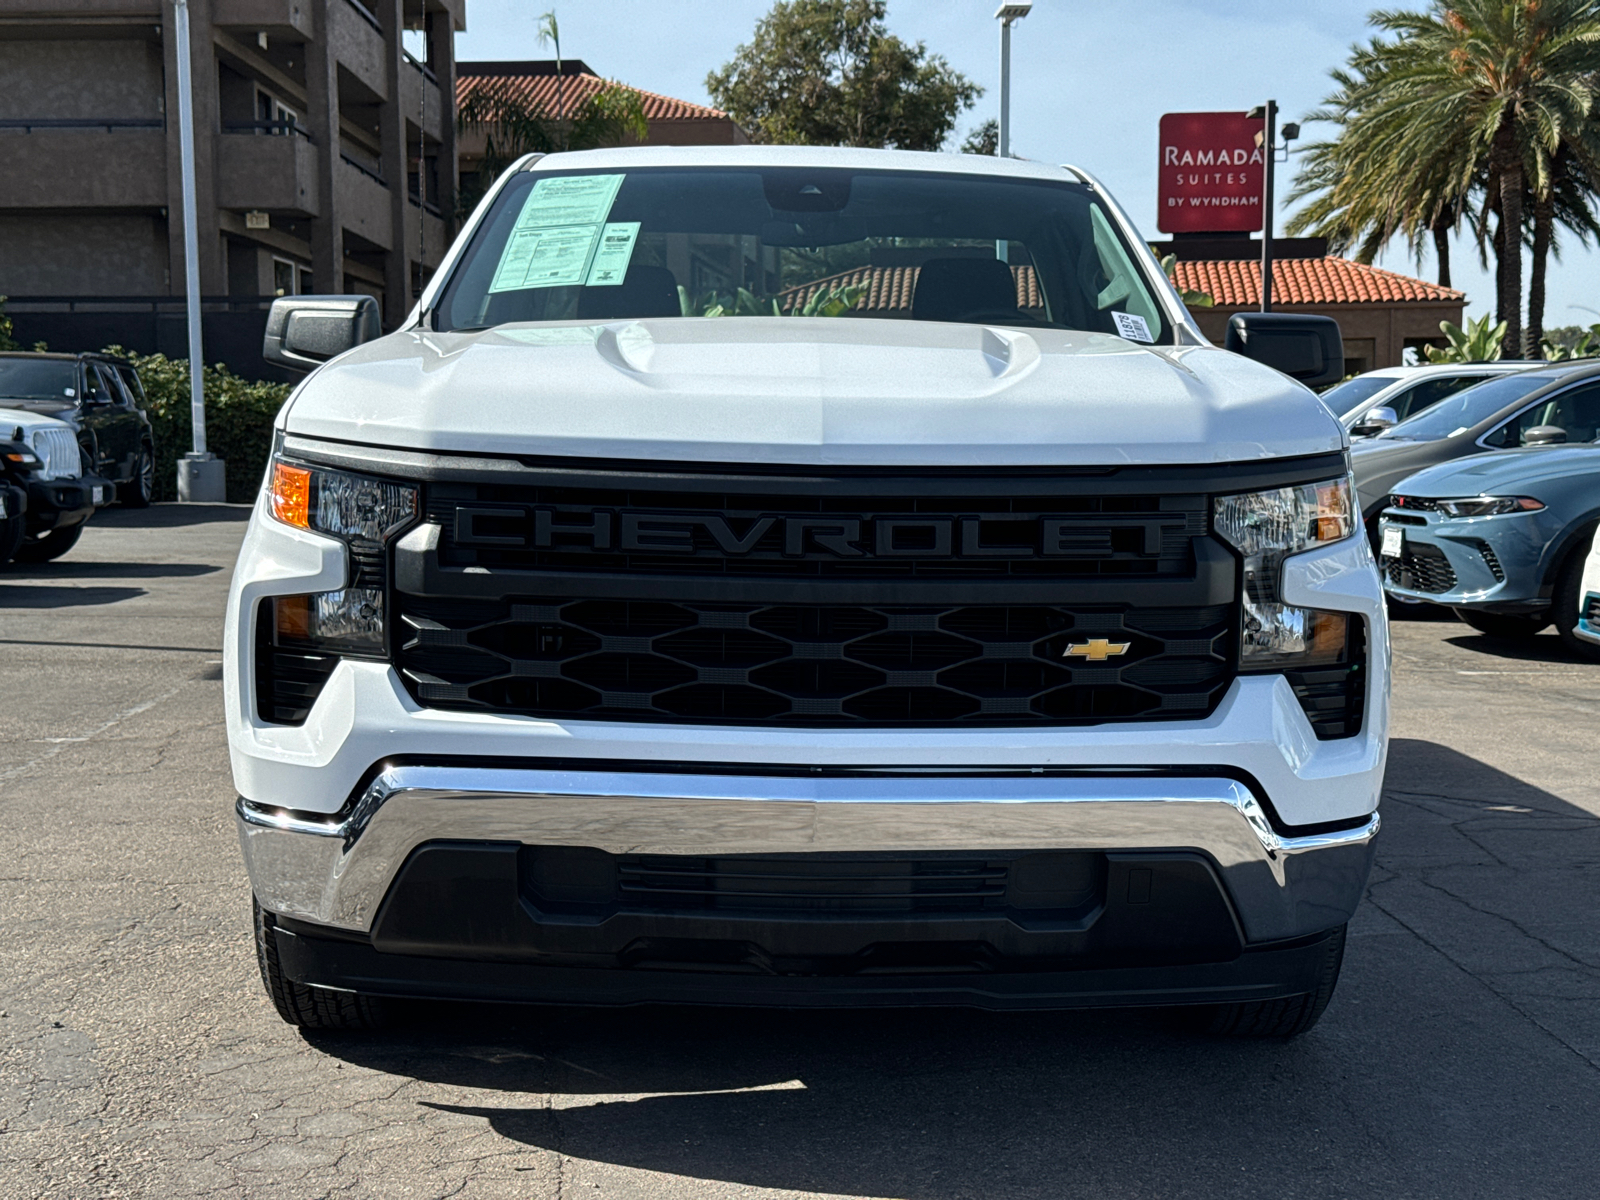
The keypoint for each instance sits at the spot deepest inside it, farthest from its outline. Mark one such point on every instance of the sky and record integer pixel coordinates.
(1089, 82)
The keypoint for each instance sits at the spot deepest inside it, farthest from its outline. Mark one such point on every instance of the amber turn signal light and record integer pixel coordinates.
(291, 495)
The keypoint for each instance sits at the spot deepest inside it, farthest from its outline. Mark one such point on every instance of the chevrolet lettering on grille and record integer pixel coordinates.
(813, 536)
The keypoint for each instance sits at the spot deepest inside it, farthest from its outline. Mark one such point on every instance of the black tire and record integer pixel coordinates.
(1500, 625)
(1564, 604)
(52, 545)
(139, 491)
(11, 534)
(306, 1006)
(1288, 1017)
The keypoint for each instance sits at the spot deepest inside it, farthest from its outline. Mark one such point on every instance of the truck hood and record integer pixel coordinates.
(1511, 472)
(12, 418)
(817, 391)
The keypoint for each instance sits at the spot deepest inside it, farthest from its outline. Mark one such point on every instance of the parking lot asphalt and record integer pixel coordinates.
(139, 1055)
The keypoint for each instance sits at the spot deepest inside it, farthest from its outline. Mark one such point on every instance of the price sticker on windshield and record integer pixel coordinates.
(1132, 326)
(1394, 540)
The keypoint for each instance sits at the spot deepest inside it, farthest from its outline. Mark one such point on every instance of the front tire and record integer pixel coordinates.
(1284, 1018)
(305, 1006)
(52, 545)
(1564, 606)
(139, 491)
(1499, 625)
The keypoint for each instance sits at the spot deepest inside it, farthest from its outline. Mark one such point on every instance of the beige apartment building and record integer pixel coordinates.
(324, 146)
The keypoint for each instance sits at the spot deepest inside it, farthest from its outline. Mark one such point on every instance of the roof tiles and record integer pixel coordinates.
(535, 86)
(1307, 281)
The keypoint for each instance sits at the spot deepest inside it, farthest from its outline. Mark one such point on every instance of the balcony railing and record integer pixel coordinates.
(278, 128)
(365, 170)
(29, 124)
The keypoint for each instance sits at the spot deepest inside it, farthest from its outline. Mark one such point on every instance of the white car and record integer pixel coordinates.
(1588, 626)
(45, 497)
(799, 576)
(1405, 391)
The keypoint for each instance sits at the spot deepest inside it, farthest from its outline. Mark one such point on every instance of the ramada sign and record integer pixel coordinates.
(1211, 173)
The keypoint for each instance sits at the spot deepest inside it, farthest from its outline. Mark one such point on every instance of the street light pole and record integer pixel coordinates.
(1007, 14)
(1268, 140)
(199, 474)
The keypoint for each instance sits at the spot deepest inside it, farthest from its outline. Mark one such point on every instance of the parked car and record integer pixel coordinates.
(1381, 399)
(1011, 648)
(101, 398)
(1587, 627)
(46, 496)
(1501, 538)
(1554, 402)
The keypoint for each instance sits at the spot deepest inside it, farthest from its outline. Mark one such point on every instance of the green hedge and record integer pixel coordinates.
(239, 416)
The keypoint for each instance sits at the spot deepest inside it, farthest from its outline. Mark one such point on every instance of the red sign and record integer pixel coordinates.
(1211, 173)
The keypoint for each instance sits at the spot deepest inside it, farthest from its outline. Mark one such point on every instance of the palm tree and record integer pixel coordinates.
(1469, 94)
(550, 33)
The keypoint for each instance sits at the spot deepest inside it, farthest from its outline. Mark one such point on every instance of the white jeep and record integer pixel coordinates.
(804, 577)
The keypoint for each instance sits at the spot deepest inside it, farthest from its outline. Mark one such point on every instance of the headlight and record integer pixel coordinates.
(360, 511)
(1488, 506)
(1267, 527)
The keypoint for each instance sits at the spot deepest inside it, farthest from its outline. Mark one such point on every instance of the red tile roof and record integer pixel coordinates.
(889, 289)
(1307, 281)
(534, 83)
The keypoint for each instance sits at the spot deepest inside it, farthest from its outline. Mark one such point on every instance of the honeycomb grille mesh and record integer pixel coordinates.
(814, 664)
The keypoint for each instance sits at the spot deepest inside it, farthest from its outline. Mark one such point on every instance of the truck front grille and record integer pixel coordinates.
(823, 664)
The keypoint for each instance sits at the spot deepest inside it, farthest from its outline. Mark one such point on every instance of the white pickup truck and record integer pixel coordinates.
(804, 577)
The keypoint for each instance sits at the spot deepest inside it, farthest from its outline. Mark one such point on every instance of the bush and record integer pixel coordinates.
(239, 417)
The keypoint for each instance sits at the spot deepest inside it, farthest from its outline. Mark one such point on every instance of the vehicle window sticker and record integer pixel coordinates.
(556, 234)
(1132, 326)
(610, 266)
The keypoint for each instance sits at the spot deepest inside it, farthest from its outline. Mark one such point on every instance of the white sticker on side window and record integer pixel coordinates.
(1132, 326)
(557, 232)
(610, 264)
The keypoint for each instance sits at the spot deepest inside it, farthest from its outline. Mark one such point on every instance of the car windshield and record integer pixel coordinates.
(1464, 410)
(38, 379)
(792, 241)
(1348, 396)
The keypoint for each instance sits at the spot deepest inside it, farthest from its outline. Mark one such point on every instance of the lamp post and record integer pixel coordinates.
(200, 476)
(1267, 139)
(1007, 14)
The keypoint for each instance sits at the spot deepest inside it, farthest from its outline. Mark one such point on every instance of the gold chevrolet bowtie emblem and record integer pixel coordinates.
(1095, 650)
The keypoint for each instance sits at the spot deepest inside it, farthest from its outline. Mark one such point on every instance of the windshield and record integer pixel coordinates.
(1466, 409)
(826, 242)
(1347, 397)
(38, 379)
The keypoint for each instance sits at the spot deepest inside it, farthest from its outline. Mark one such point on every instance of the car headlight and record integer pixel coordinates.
(365, 514)
(1488, 506)
(1265, 528)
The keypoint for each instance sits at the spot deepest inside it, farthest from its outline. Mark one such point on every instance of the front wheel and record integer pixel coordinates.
(1287, 1017)
(1564, 604)
(303, 1005)
(1500, 625)
(51, 545)
(139, 491)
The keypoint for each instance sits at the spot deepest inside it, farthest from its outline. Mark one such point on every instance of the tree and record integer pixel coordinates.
(7, 342)
(829, 73)
(1471, 94)
(985, 139)
(513, 127)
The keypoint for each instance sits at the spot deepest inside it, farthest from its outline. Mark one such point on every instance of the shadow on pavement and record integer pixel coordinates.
(72, 568)
(64, 597)
(1446, 1066)
(168, 516)
(1545, 648)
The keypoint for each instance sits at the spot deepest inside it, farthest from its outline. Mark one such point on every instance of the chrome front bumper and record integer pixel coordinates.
(336, 870)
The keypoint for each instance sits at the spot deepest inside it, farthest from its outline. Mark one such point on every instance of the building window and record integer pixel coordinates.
(276, 116)
(284, 278)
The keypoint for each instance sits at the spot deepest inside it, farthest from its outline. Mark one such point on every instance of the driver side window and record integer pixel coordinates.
(1576, 410)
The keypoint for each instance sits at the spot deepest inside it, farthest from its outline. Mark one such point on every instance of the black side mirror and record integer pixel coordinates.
(1544, 435)
(306, 331)
(1303, 347)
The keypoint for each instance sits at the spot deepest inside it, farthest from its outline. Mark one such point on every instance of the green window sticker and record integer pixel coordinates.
(557, 233)
(610, 264)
